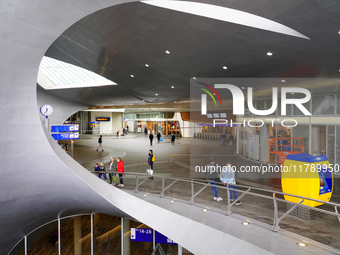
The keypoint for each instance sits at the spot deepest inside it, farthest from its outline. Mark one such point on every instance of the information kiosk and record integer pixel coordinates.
(307, 176)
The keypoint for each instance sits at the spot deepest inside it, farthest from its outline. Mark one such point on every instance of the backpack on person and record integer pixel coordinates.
(153, 158)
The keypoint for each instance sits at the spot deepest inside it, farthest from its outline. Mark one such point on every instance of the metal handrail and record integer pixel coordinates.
(203, 182)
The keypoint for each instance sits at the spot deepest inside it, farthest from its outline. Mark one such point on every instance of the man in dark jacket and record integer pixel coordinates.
(151, 138)
(212, 176)
(158, 136)
(100, 143)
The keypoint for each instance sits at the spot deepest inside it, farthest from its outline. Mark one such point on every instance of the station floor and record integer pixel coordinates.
(175, 160)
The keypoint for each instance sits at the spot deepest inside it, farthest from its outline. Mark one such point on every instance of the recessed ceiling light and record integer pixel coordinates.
(224, 67)
(269, 53)
(146, 65)
(283, 80)
(167, 52)
(172, 87)
(156, 94)
(172, 201)
(175, 102)
(205, 210)
(194, 78)
(245, 223)
(243, 88)
(302, 244)
(132, 75)
(339, 32)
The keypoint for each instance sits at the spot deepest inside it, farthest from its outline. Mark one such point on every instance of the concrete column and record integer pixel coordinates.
(77, 236)
(125, 236)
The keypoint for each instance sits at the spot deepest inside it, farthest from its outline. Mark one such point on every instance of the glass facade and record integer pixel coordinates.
(318, 134)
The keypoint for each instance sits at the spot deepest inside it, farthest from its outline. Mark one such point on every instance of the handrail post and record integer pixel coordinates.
(162, 193)
(136, 189)
(228, 211)
(336, 210)
(276, 226)
(276, 212)
(192, 201)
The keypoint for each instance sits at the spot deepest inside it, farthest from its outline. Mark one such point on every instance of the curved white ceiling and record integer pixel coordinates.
(227, 15)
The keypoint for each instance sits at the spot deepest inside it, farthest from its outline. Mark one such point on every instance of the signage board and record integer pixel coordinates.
(94, 122)
(103, 119)
(141, 235)
(65, 128)
(163, 239)
(65, 136)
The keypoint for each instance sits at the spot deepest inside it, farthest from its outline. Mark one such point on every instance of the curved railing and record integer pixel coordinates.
(264, 206)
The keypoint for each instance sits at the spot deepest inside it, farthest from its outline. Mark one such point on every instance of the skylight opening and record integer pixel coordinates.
(56, 74)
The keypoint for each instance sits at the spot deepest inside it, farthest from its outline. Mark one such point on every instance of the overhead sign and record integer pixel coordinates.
(141, 234)
(145, 235)
(66, 136)
(103, 119)
(163, 239)
(64, 128)
(94, 123)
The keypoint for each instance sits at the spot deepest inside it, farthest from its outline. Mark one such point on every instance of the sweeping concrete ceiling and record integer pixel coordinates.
(119, 41)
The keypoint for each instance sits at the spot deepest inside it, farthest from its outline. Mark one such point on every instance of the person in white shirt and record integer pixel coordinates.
(227, 176)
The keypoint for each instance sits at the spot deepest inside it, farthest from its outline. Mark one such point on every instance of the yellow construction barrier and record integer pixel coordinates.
(307, 176)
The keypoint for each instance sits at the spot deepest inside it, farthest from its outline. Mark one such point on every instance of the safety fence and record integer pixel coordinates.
(319, 225)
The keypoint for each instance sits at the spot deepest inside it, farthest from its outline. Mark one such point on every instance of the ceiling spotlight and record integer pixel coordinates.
(194, 78)
(156, 94)
(167, 52)
(172, 87)
(283, 80)
(245, 223)
(269, 53)
(339, 32)
(243, 88)
(132, 75)
(205, 210)
(146, 65)
(302, 244)
(225, 68)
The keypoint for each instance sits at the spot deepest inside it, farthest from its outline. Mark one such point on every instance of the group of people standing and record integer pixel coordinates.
(227, 138)
(227, 177)
(115, 167)
(158, 135)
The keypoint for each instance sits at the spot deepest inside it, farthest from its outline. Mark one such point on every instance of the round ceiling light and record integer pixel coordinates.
(245, 223)
(172, 87)
(156, 94)
(269, 53)
(302, 244)
(167, 52)
(205, 210)
(132, 75)
(225, 68)
(283, 80)
(194, 78)
(146, 65)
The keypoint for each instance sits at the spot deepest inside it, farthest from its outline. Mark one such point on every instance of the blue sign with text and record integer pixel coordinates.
(141, 234)
(65, 136)
(64, 128)
(163, 239)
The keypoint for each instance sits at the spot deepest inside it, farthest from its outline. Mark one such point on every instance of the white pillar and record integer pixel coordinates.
(77, 235)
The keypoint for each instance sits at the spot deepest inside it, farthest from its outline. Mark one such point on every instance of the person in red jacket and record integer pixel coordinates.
(120, 170)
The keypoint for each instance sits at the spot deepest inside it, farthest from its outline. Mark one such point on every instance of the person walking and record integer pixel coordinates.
(127, 128)
(222, 136)
(102, 169)
(151, 138)
(120, 170)
(151, 159)
(113, 168)
(158, 137)
(100, 143)
(212, 176)
(228, 178)
(145, 131)
(173, 138)
(231, 139)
